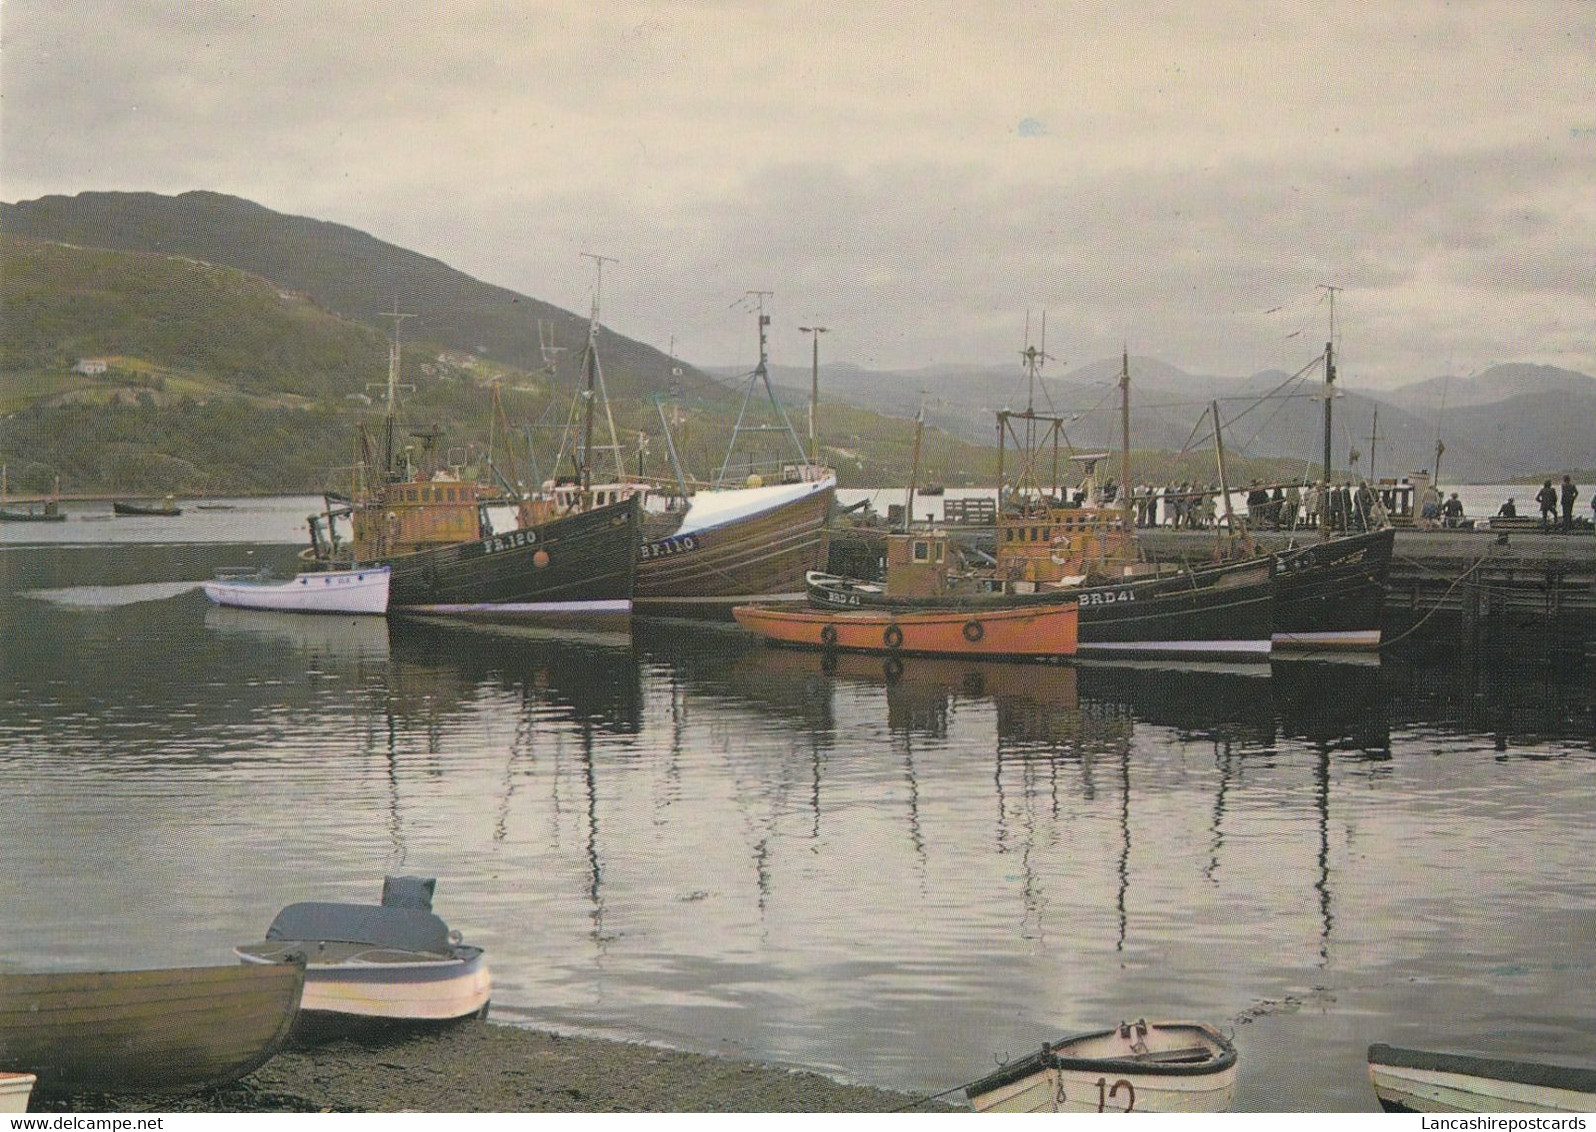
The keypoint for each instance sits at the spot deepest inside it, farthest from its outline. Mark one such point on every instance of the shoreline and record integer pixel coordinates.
(478, 1066)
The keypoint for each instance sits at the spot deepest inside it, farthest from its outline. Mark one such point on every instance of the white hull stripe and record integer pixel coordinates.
(1346, 639)
(1260, 648)
(619, 605)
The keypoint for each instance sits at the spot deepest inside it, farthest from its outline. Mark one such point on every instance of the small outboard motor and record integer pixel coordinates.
(408, 892)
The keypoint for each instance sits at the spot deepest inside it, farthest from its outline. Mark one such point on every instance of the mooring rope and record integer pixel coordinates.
(1414, 628)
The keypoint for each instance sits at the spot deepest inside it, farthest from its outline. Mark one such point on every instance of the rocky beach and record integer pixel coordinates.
(488, 1067)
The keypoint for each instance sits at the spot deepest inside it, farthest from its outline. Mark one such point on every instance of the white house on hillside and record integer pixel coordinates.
(89, 366)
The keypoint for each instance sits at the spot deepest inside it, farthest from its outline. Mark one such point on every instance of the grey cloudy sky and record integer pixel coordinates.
(914, 175)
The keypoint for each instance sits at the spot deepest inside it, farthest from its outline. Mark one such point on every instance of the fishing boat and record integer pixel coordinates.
(166, 508)
(1037, 632)
(395, 961)
(709, 546)
(1331, 594)
(1134, 1067)
(429, 523)
(1412, 1080)
(15, 1088)
(172, 1030)
(48, 511)
(363, 590)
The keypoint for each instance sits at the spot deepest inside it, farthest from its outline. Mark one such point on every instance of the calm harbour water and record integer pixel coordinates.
(686, 838)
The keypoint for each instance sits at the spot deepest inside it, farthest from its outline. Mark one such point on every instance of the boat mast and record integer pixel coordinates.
(914, 472)
(1329, 375)
(814, 333)
(1224, 483)
(760, 375)
(594, 383)
(1124, 430)
(392, 415)
(1374, 438)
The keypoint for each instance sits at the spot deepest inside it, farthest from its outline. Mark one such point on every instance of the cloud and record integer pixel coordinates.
(916, 176)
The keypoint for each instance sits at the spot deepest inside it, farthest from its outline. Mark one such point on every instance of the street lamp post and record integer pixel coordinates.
(814, 333)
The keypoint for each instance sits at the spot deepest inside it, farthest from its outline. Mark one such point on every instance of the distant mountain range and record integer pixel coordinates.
(1501, 425)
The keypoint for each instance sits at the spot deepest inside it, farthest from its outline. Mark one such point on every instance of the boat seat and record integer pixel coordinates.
(1175, 1056)
(410, 929)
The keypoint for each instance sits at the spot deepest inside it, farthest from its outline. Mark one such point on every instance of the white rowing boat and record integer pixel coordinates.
(1135, 1067)
(363, 590)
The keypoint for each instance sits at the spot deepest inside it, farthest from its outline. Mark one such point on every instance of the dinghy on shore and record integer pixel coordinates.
(1416, 1080)
(1135, 1067)
(396, 961)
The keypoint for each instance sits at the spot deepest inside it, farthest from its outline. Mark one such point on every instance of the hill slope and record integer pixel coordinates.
(341, 269)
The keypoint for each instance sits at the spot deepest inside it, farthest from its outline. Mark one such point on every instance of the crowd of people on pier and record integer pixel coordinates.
(1277, 507)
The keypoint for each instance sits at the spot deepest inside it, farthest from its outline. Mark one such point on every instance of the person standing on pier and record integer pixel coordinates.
(1547, 498)
(1570, 493)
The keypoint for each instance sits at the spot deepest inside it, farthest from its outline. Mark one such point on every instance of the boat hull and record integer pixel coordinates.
(363, 591)
(15, 1088)
(1331, 595)
(580, 568)
(757, 557)
(50, 514)
(1027, 632)
(1101, 1073)
(1407, 1080)
(141, 509)
(161, 1031)
(1217, 613)
(419, 990)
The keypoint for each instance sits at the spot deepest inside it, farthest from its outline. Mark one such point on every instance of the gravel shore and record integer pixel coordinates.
(484, 1067)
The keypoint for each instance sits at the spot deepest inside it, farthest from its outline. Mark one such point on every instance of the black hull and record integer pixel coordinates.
(1331, 595)
(579, 568)
(1221, 613)
(141, 509)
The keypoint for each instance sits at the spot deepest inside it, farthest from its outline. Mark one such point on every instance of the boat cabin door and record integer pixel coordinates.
(917, 564)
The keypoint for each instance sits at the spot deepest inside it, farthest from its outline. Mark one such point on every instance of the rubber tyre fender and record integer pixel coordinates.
(828, 635)
(892, 637)
(974, 631)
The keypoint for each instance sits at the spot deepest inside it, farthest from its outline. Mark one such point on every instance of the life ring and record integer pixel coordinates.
(893, 637)
(828, 634)
(974, 631)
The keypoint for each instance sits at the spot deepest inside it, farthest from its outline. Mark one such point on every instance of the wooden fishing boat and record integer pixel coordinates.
(159, 1031)
(394, 961)
(734, 546)
(166, 508)
(1135, 1067)
(15, 1088)
(363, 590)
(430, 525)
(1331, 594)
(1039, 632)
(1412, 1080)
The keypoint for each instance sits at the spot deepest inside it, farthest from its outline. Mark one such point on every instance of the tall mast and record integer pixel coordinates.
(1224, 483)
(914, 470)
(1329, 375)
(814, 333)
(1374, 438)
(392, 412)
(761, 375)
(1124, 429)
(594, 381)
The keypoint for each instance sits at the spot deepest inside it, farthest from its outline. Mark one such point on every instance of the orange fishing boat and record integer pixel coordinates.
(1031, 632)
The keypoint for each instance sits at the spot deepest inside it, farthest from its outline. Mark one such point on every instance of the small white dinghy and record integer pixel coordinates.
(1136, 1067)
(395, 962)
(331, 591)
(1416, 1080)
